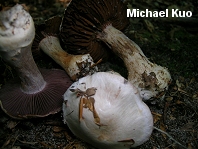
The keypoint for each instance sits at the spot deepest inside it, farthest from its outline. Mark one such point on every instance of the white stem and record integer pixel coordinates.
(72, 64)
(148, 77)
(16, 35)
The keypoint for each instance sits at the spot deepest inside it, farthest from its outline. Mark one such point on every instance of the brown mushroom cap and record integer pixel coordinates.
(84, 18)
(18, 104)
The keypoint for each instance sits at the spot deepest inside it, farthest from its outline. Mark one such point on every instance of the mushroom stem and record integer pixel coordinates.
(15, 47)
(72, 64)
(149, 78)
(31, 79)
(35, 94)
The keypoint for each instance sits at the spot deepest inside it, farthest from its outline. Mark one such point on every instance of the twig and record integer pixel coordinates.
(169, 137)
(25, 142)
(99, 61)
(14, 140)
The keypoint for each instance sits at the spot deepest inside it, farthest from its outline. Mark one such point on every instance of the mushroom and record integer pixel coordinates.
(83, 19)
(34, 93)
(90, 23)
(106, 110)
(47, 39)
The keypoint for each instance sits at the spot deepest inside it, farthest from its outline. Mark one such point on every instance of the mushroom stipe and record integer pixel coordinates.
(91, 27)
(35, 93)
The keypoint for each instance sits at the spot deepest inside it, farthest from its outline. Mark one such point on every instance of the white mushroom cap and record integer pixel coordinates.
(123, 121)
(17, 30)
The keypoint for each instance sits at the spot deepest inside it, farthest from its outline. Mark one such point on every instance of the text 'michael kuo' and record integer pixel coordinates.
(162, 14)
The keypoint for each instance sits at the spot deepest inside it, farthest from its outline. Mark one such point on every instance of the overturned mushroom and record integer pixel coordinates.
(89, 23)
(105, 110)
(33, 94)
(46, 39)
(81, 22)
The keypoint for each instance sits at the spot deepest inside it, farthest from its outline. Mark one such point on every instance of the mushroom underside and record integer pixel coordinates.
(82, 21)
(18, 104)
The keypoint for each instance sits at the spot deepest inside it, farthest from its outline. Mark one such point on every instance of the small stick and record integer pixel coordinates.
(99, 61)
(169, 137)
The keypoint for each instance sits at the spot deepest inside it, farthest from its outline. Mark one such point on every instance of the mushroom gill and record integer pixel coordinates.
(83, 19)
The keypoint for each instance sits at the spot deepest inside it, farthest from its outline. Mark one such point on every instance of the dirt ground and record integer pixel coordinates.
(167, 42)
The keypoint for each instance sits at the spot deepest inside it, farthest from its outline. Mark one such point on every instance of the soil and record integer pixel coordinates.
(168, 42)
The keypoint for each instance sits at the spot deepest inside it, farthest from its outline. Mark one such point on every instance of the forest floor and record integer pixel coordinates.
(168, 42)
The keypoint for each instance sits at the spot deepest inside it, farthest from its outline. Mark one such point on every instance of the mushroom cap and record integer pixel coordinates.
(16, 29)
(84, 18)
(125, 120)
(18, 104)
(49, 28)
